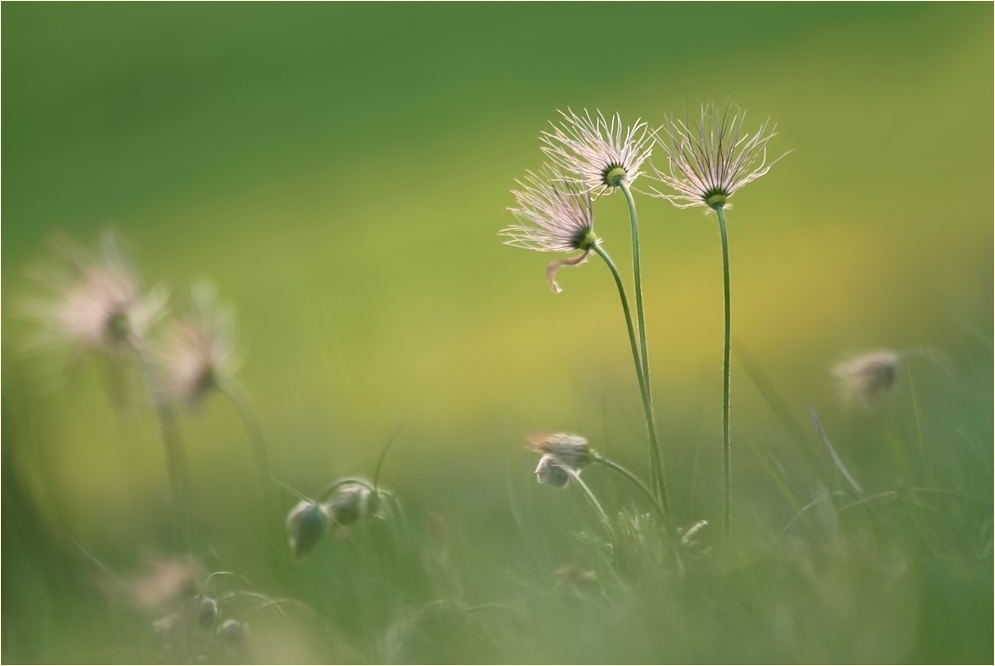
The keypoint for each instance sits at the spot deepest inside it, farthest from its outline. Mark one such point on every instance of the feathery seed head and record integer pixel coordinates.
(600, 153)
(863, 379)
(306, 524)
(197, 352)
(555, 215)
(709, 160)
(95, 303)
(551, 472)
(568, 450)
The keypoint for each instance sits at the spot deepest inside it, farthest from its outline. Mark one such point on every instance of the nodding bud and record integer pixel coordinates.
(569, 450)
(306, 523)
(551, 472)
(207, 613)
(233, 631)
(350, 504)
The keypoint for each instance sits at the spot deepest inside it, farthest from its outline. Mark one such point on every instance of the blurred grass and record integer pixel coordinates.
(341, 172)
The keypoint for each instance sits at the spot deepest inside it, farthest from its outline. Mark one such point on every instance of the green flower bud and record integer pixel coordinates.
(306, 524)
(207, 613)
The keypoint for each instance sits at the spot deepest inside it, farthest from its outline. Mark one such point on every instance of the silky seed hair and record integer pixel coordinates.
(598, 152)
(554, 214)
(710, 158)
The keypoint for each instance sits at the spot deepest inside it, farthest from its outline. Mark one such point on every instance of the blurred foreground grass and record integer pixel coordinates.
(341, 171)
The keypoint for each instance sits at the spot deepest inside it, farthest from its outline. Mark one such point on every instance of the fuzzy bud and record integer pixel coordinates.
(350, 504)
(207, 613)
(569, 450)
(306, 524)
(551, 472)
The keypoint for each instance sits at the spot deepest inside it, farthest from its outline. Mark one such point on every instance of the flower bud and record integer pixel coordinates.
(569, 450)
(233, 631)
(350, 504)
(306, 524)
(551, 472)
(207, 613)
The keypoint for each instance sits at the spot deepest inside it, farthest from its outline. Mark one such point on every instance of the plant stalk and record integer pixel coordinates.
(726, 453)
(634, 480)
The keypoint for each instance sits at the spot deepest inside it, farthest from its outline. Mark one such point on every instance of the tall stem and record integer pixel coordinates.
(176, 469)
(726, 454)
(927, 465)
(240, 400)
(634, 344)
(657, 474)
(634, 480)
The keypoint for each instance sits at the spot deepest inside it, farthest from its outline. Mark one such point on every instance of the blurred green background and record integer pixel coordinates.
(340, 171)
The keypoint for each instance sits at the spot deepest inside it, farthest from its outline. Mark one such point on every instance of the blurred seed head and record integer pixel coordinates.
(197, 351)
(95, 301)
(711, 158)
(599, 153)
(207, 613)
(551, 472)
(306, 524)
(555, 215)
(571, 574)
(866, 378)
(569, 450)
(162, 585)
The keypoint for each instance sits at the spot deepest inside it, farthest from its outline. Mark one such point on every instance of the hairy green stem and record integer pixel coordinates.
(606, 522)
(923, 451)
(240, 400)
(634, 480)
(633, 343)
(726, 453)
(176, 469)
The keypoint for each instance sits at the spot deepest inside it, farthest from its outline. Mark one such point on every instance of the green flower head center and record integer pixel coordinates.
(584, 239)
(613, 175)
(716, 198)
(118, 327)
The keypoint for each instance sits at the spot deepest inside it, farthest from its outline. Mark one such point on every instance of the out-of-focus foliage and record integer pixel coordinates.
(340, 172)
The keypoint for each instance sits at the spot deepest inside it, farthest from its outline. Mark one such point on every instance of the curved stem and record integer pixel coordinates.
(243, 406)
(176, 466)
(657, 476)
(634, 480)
(643, 393)
(628, 316)
(923, 451)
(598, 508)
(726, 453)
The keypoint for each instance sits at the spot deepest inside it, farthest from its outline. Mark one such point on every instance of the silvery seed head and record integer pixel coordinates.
(349, 504)
(708, 160)
(96, 303)
(866, 378)
(569, 450)
(306, 524)
(599, 153)
(197, 351)
(551, 472)
(555, 215)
